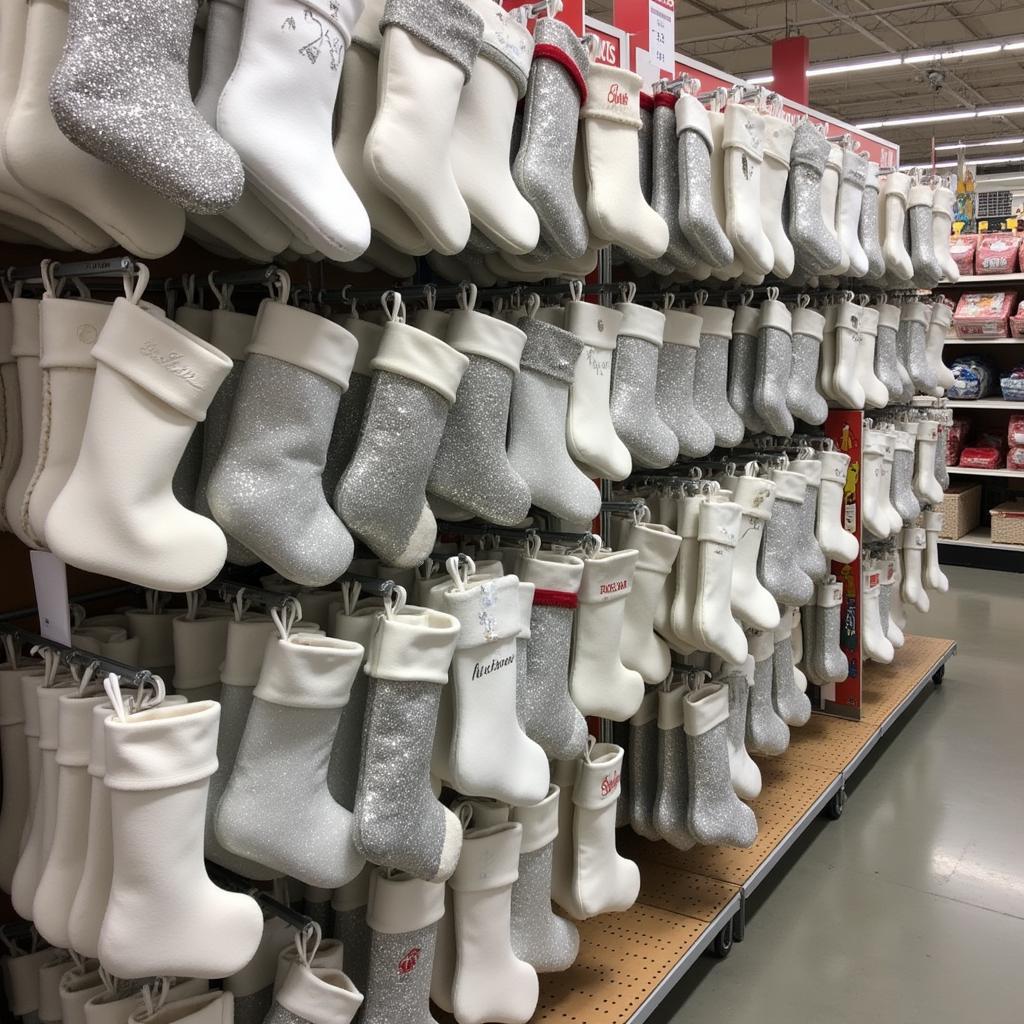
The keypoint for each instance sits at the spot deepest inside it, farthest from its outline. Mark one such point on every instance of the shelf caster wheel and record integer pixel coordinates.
(722, 946)
(940, 674)
(834, 808)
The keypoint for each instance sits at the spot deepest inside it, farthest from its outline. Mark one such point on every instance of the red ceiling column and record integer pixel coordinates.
(790, 59)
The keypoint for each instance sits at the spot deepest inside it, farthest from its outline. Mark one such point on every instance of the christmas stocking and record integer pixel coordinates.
(891, 602)
(780, 570)
(788, 697)
(887, 365)
(943, 205)
(767, 734)
(803, 399)
(774, 366)
(913, 542)
(14, 757)
(589, 432)
(314, 995)
(876, 644)
(713, 624)
(750, 603)
(876, 394)
(673, 794)
(350, 928)
(414, 384)
(743, 366)
(743, 143)
(25, 349)
(902, 496)
(848, 210)
(398, 821)
(651, 442)
(541, 938)
(895, 193)
(933, 576)
(715, 815)
(433, 49)
(711, 375)
(778, 146)
(926, 487)
(684, 597)
(827, 661)
(677, 365)
(846, 384)
(938, 330)
(836, 542)
(815, 245)
(10, 443)
(928, 272)
(829, 207)
(868, 233)
(809, 553)
(140, 117)
(537, 434)
(643, 767)
(743, 769)
(117, 515)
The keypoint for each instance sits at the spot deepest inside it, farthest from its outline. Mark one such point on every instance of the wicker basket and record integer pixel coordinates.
(961, 510)
(1008, 522)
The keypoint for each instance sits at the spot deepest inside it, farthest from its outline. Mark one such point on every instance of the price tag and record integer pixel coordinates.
(50, 576)
(661, 34)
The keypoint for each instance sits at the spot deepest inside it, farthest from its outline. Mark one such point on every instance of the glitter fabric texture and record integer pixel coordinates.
(399, 822)
(472, 469)
(398, 983)
(121, 93)
(343, 770)
(642, 754)
(266, 489)
(711, 390)
(677, 365)
(779, 571)
(816, 248)
(253, 1008)
(186, 475)
(767, 733)
(911, 342)
(927, 271)
(831, 665)
(791, 703)
(696, 215)
(673, 796)
(901, 489)
(351, 929)
(885, 362)
(742, 374)
(651, 442)
(540, 937)
(774, 366)
(885, 604)
(537, 447)
(544, 707)
(345, 435)
(941, 470)
(802, 397)
(808, 551)
(868, 233)
(664, 194)
(543, 166)
(715, 816)
(383, 494)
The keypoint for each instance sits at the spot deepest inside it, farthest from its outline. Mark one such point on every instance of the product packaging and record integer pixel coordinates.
(1013, 384)
(983, 314)
(975, 376)
(997, 253)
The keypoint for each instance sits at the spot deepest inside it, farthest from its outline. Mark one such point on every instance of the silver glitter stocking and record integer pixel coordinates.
(886, 368)
(941, 469)
(541, 938)
(316, 905)
(715, 814)
(664, 196)
(816, 248)
(121, 93)
(767, 733)
(803, 399)
(345, 435)
(774, 366)
(696, 215)
(671, 803)
(266, 488)
(646, 142)
(830, 663)
(791, 703)
(383, 494)
(779, 570)
(711, 390)
(743, 369)
(808, 551)
(911, 342)
(901, 490)
(351, 929)
(472, 469)
(343, 770)
(885, 603)
(642, 752)
(545, 709)
(399, 823)
(869, 236)
(927, 270)
(543, 168)
(398, 981)
(675, 401)
(651, 442)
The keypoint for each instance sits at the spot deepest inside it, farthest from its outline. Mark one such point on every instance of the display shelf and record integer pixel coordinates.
(984, 341)
(972, 471)
(982, 538)
(970, 279)
(629, 962)
(985, 403)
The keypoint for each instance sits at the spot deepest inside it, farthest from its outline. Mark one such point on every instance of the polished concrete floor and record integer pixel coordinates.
(910, 908)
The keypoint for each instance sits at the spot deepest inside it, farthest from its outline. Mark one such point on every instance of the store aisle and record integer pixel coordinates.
(910, 908)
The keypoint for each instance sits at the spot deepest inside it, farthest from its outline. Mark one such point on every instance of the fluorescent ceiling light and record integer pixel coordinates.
(970, 51)
(1014, 46)
(972, 163)
(761, 79)
(1000, 111)
(990, 142)
(921, 58)
(953, 115)
(867, 65)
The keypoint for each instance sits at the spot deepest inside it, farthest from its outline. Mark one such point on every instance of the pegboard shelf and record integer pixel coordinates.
(629, 962)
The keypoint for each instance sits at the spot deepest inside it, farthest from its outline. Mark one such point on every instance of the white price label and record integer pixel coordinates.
(661, 30)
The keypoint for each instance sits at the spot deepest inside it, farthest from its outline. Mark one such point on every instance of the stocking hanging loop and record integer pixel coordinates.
(467, 296)
(394, 602)
(394, 307)
(531, 545)
(430, 295)
(532, 305)
(576, 291)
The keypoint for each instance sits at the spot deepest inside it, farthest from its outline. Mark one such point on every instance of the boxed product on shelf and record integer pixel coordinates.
(961, 508)
(1017, 323)
(956, 439)
(981, 457)
(983, 314)
(1012, 384)
(962, 248)
(997, 253)
(1015, 429)
(1008, 522)
(1015, 458)
(974, 376)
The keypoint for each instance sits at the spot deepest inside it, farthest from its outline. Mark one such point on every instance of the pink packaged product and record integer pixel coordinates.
(983, 314)
(1015, 458)
(1017, 323)
(1015, 433)
(981, 458)
(956, 440)
(997, 253)
(962, 248)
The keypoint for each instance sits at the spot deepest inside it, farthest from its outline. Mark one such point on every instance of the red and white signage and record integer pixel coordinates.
(571, 13)
(612, 43)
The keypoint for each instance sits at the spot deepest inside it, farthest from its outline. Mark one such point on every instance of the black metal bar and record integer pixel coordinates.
(501, 531)
(257, 275)
(130, 675)
(448, 292)
(113, 267)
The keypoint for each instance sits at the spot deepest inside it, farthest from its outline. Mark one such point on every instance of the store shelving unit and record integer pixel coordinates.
(694, 901)
(969, 471)
(982, 538)
(975, 279)
(986, 403)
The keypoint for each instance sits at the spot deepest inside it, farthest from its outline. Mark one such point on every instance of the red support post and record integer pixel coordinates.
(790, 59)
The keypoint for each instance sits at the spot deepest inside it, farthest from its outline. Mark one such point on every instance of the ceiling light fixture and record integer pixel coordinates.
(985, 162)
(953, 115)
(841, 69)
(1019, 140)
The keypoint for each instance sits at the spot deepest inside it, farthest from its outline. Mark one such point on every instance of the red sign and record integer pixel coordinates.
(612, 44)
(571, 13)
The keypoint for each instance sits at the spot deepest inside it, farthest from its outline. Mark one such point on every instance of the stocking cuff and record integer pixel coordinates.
(74, 739)
(871, 176)
(927, 430)
(488, 612)
(744, 130)
(897, 184)
(920, 195)
(944, 201)
(608, 577)
(246, 645)
(704, 708)
(489, 858)
(416, 355)
(353, 895)
(809, 147)
(942, 315)
(527, 592)
(775, 314)
(855, 169)
(829, 595)
(318, 993)
(305, 340)
(367, 335)
(889, 316)
(68, 329)
(48, 699)
(746, 320)
(692, 115)
(477, 334)
(598, 777)
(933, 520)
(25, 314)
(641, 322)
(809, 323)
(231, 332)
(682, 328)
(778, 140)
(809, 469)
(905, 442)
(789, 487)
(648, 710)
(761, 644)
(403, 904)
(594, 325)
(613, 94)
(869, 320)
(309, 671)
(549, 571)
(720, 523)
(756, 496)
(914, 311)
(549, 350)
(834, 466)
(554, 40)
(450, 27)
(835, 158)
(506, 43)
(848, 316)
(717, 320)
(31, 683)
(539, 822)
(162, 358)
(414, 647)
(656, 546)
